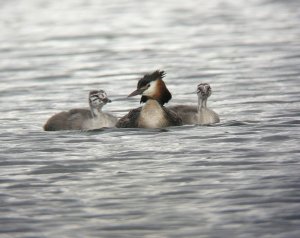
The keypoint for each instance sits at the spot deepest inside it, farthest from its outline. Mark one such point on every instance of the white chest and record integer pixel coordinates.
(103, 120)
(207, 116)
(152, 115)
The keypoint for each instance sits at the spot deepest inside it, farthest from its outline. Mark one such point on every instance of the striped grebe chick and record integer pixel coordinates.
(84, 119)
(200, 114)
(152, 114)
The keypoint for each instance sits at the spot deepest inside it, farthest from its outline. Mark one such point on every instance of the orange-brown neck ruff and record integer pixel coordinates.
(161, 94)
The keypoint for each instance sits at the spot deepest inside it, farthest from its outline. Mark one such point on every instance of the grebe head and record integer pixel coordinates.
(98, 98)
(151, 86)
(203, 90)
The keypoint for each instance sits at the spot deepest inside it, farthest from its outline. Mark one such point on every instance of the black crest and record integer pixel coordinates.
(150, 77)
(165, 96)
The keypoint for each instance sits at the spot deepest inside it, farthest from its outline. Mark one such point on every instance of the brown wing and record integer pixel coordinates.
(71, 120)
(130, 120)
(57, 122)
(188, 114)
(173, 118)
(184, 109)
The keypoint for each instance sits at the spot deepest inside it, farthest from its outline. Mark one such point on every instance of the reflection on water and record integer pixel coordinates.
(239, 178)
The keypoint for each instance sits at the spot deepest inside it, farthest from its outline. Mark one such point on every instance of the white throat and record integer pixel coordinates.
(96, 111)
(202, 102)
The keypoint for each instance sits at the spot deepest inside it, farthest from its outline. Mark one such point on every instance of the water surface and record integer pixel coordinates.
(238, 178)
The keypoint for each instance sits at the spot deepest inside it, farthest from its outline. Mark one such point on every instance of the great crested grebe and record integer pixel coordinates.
(84, 119)
(152, 114)
(200, 114)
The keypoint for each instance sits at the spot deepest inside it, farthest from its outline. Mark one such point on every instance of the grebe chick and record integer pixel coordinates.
(84, 119)
(152, 114)
(200, 114)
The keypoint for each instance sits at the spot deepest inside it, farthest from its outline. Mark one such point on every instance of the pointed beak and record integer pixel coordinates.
(106, 100)
(136, 92)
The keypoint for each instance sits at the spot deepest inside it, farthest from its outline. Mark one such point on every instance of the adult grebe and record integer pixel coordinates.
(200, 114)
(84, 119)
(153, 114)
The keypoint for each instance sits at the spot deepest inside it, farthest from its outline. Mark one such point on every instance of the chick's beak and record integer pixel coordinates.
(106, 100)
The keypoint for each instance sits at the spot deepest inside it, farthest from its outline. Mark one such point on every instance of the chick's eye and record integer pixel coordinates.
(148, 85)
(94, 98)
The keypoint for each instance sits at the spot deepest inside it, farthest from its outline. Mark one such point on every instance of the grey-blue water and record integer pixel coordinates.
(238, 178)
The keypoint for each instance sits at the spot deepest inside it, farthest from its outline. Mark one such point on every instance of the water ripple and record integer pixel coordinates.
(237, 178)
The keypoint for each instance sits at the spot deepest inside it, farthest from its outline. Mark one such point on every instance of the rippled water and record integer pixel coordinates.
(239, 178)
